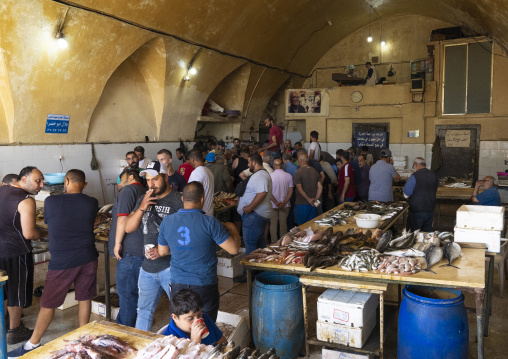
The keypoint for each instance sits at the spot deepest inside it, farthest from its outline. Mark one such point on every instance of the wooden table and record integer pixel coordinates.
(134, 337)
(3, 337)
(470, 278)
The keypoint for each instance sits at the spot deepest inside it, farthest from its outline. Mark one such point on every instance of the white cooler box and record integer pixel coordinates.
(354, 337)
(490, 238)
(480, 217)
(339, 354)
(346, 307)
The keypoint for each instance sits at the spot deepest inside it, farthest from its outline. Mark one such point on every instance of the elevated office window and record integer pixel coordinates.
(467, 78)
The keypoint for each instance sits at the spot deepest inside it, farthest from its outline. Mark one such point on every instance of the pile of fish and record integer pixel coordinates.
(335, 218)
(172, 347)
(102, 223)
(399, 265)
(230, 351)
(224, 199)
(94, 347)
(375, 207)
(362, 261)
(420, 241)
(276, 254)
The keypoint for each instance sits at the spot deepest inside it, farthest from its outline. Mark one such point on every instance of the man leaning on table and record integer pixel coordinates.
(489, 196)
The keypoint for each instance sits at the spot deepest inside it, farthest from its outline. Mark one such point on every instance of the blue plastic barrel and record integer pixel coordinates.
(432, 324)
(277, 314)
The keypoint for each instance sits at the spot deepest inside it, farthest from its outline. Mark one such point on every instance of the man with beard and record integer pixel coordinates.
(154, 276)
(185, 168)
(17, 227)
(142, 160)
(275, 141)
(70, 218)
(294, 103)
(175, 180)
(133, 164)
(203, 175)
(236, 143)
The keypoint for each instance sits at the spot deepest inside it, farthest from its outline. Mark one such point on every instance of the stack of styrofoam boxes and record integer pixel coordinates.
(480, 224)
(346, 317)
(400, 164)
(230, 267)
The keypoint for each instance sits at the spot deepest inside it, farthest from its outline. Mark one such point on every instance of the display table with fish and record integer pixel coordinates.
(137, 339)
(471, 278)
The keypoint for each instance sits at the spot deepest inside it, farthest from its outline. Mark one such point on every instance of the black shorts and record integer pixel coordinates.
(19, 286)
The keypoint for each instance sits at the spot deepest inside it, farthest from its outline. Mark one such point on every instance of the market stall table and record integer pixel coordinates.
(471, 276)
(3, 338)
(136, 338)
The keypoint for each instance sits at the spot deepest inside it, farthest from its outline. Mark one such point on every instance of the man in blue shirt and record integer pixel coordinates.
(289, 167)
(185, 320)
(382, 175)
(191, 237)
(489, 196)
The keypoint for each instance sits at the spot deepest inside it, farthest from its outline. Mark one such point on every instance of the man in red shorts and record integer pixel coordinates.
(70, 219)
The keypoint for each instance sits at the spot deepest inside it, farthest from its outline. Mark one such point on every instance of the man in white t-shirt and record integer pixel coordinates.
(203, 175)
(314, 148)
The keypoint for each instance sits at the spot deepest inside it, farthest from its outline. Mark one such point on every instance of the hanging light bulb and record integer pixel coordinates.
(186, 78)
(369, 39)
(193, 71)
(383, 43)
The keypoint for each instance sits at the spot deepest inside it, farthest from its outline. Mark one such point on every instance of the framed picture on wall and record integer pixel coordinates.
(306, 102)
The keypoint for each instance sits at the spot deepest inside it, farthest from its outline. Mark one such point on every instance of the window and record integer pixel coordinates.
(467, 78)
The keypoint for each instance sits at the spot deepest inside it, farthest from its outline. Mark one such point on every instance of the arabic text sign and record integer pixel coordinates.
(370, 139)
(458, 138)
(57, 123)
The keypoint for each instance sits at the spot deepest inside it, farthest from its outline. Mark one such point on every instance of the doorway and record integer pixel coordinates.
(460, 148)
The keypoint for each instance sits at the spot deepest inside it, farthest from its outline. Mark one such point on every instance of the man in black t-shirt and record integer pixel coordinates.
(127, 247)
(70, 218)
(17, 227)
(154, 276)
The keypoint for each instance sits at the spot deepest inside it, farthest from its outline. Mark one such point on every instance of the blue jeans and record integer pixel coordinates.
(274, 155)
(127, 274)
(150, 286)
(420, 220)
(253, 229)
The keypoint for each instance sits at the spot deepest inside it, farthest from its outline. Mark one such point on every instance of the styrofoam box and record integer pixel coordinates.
(339, 354)
(345, 334)
(230, 267)
(100, 308)
(240, 335)
(70, 301)
(400, 164)
(399, 158)
(491, 238)
(480, 217)
(346, 307)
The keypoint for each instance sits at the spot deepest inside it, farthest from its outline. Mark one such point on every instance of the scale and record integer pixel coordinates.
(502, 179)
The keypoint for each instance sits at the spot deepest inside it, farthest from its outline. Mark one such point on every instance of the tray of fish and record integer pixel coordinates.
(361, 261)
(376, 207)
(92, 346)
(232, 351)
(172, 347)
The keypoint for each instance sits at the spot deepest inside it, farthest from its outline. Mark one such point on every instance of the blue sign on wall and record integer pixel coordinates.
(370, 139)
(57, 123)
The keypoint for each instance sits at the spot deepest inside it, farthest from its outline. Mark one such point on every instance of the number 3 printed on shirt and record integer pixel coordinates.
(185, 234)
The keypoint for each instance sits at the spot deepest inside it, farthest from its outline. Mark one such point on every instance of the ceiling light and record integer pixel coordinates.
(383, 43)
(186, 78)
(193, 71)
(61, 42)
(369, 39)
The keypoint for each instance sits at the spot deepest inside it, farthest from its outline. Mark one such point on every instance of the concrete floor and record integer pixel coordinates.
(234, 300)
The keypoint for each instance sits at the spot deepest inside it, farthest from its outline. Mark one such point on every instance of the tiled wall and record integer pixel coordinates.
(46, 158)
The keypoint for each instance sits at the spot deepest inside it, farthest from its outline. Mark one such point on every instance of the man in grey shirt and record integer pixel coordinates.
(381, 175)
(255, 207)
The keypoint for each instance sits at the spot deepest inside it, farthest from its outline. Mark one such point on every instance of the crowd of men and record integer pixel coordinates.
(164, 232)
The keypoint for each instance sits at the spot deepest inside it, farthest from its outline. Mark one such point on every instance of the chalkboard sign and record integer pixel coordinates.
(370, 139)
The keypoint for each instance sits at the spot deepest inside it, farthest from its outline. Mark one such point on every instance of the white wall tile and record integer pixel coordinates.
(6, 153)
(22, 152)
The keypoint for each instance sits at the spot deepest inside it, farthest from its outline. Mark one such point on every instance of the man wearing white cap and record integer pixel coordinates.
(154, 277)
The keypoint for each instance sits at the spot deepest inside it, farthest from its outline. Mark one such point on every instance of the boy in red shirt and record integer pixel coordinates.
(346, 191)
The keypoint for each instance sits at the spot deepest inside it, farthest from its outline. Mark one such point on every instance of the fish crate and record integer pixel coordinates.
(240, 334)
(492, 239)
(340, 354)
(354, 337)
(480, 217)
(346, 307)
(230, 267)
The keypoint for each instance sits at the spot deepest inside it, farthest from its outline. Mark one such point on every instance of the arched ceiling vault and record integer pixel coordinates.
(293, 34)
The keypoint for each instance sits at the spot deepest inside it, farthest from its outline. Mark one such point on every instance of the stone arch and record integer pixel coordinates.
(132, 102)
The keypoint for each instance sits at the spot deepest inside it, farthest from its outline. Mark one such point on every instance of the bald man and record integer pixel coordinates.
(308, 190)
(282, 190)
(421, 190)
(489, 196)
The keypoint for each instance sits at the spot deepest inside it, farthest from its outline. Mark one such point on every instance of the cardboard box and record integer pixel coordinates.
(345, 334)
(346, 307)
(480, 217)
(340, 354)
(490, 238)
(240, 335)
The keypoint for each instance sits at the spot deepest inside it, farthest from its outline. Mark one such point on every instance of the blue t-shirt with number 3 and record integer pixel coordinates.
(192, 237)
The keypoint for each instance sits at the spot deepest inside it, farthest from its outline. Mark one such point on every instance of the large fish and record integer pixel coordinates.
(451, 251)
(384, 241)
(432, 256)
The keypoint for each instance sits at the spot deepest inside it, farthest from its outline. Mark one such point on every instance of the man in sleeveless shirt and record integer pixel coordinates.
(17, 228)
